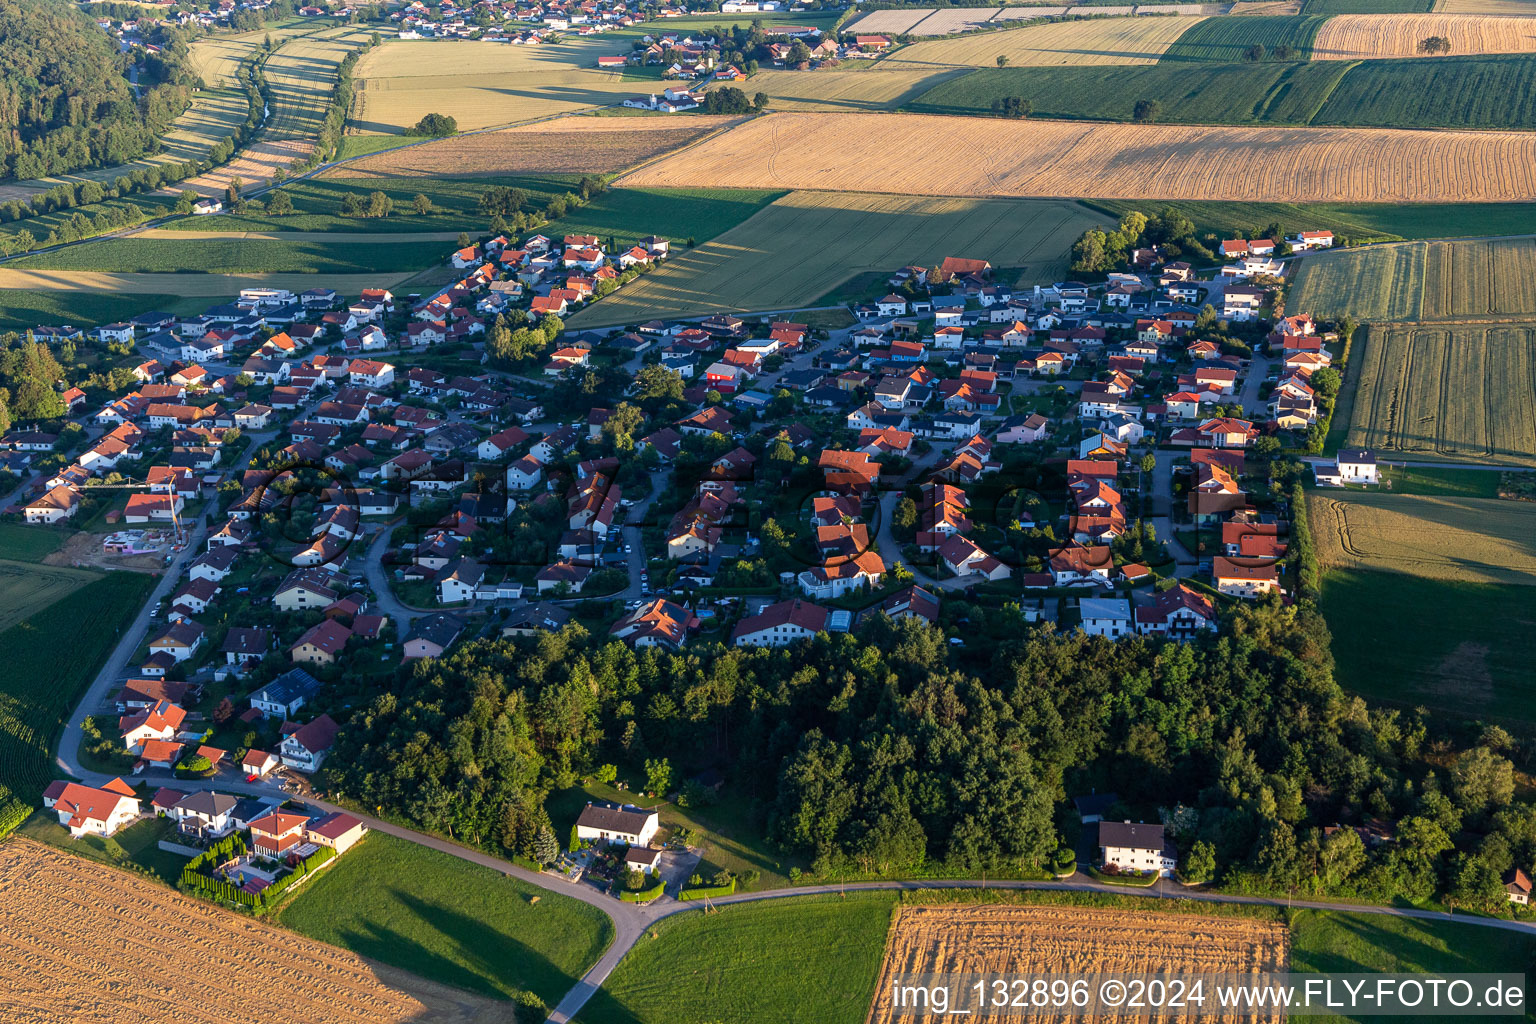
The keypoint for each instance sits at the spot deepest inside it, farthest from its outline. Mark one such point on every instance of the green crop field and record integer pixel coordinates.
(1359, 222)
(450, 921)
(21, 309)
(1421, 281)
(1451, 92)
(20, 543)
(798, 960)
(1229, 39)
(26, 589)
(1410, 640)
(241, 256)
(1192, 92)
(49, 658)
(764, 263)
(1466, 393)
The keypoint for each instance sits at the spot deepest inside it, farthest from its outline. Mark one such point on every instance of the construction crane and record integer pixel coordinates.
(175, 516)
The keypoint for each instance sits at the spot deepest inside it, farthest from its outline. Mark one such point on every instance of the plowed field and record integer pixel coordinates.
(1021, 940)
(88, 944)
(569, 145)
(996, 157)
(1367, 36)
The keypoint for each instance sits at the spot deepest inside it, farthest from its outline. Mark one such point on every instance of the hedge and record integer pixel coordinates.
(1134, 881)
(644, 895)
(12, 814)
(708, 891)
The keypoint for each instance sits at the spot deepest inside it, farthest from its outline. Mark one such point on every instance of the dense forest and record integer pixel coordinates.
(890, 751)
(65, 99)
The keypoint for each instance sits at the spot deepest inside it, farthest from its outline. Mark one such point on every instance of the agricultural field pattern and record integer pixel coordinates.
(1472, 540)
(1463, 392)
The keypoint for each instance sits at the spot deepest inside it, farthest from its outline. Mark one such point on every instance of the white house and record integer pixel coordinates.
(307, 748)
(370, 373)
(1106, 616)
(1135, 846)
(86, 810)
(1358, 466)
(624, 824)
(780, 624)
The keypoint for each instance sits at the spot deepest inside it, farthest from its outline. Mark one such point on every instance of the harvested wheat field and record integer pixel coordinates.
(896, 22)
(1025, 940)
(1370, 36)
(1516, 7)
(886, 86)
(1470, 540)
(996, 157)
(481, 84)
(1099, 41)
(568, 145)
(85, 944)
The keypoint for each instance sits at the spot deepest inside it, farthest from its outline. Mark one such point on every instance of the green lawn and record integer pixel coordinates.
(728, 831)
(1330, 942)
(20, 543)
(1451, 483)
(1496, 92)
(20, 309)
(135, 847)
(1461, 647)
(629, 214)
(1360, 222)
(48, 660)
(240, 256)
(799, 960)
(1229, 39)
(361, 145)
(450, 921)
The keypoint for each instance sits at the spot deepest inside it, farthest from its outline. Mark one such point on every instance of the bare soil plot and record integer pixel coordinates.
(1022, 940)
(1471, 540)
(765, 263)
(568, 145)
(1371, 36)
(1099, 41)
(1463, 392)
(948, 20)
(852, 151)
(89, 944)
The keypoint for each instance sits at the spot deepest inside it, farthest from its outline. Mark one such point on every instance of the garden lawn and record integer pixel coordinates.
(727, 831)
(1452, 646)
(450, 921)
(798, 960)
(1449, 483)
(134, 848)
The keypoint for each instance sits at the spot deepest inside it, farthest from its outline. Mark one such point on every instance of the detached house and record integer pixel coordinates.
(306, 748)
(86, 810)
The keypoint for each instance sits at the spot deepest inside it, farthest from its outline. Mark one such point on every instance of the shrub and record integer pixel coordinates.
(435, 126)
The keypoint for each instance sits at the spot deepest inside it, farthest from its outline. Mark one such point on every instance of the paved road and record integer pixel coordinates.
(384, 600)
(109, 678)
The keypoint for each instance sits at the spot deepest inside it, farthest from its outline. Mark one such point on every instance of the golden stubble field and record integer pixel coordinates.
(1021, 940)
(86, 944)
(567, 145)
(919, 154)
(1370, 36)
(1468, 540)
(1061, 43)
